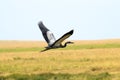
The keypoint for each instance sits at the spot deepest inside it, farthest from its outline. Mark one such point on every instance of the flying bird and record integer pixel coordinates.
(50, 39)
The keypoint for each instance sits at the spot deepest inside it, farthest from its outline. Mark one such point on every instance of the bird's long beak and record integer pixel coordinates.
(72, 42)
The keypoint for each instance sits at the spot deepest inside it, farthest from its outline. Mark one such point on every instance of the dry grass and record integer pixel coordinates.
(68, 60)
(21, 44)
(24, 44)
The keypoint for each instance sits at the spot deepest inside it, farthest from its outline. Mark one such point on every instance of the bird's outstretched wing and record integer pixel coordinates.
(47, 34)
(61, 39)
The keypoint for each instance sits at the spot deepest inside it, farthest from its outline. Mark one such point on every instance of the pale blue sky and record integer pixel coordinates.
(90, 19)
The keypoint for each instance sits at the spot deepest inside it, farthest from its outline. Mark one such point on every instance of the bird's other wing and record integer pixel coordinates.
(47, 34)
(61, 39)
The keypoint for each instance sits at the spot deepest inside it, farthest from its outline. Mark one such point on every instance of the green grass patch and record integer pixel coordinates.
(94, 46)
(70, 47)
(59, 76)
(20, 49)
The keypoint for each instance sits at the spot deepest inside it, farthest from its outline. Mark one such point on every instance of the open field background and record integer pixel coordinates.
(83, 60)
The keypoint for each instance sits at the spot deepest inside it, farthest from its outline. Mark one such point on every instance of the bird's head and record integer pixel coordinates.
(69, 42)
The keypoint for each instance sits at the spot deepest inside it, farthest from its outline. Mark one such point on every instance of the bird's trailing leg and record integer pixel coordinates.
(46, 48)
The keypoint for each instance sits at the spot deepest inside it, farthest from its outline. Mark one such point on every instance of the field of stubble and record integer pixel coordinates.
(83, 60)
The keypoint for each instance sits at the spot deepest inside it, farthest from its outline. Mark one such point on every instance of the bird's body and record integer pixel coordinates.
(50, 39)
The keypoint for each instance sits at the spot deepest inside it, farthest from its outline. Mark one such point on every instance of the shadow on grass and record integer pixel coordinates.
(59, 76)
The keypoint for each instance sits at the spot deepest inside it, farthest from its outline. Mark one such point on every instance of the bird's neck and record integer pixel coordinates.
(64, 45)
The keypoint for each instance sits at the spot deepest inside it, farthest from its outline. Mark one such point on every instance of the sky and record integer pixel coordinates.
(90, 19)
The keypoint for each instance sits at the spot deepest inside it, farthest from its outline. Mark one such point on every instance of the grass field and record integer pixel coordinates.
(83, 60)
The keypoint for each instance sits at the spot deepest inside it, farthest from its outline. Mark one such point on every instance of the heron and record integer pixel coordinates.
(50, 39)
